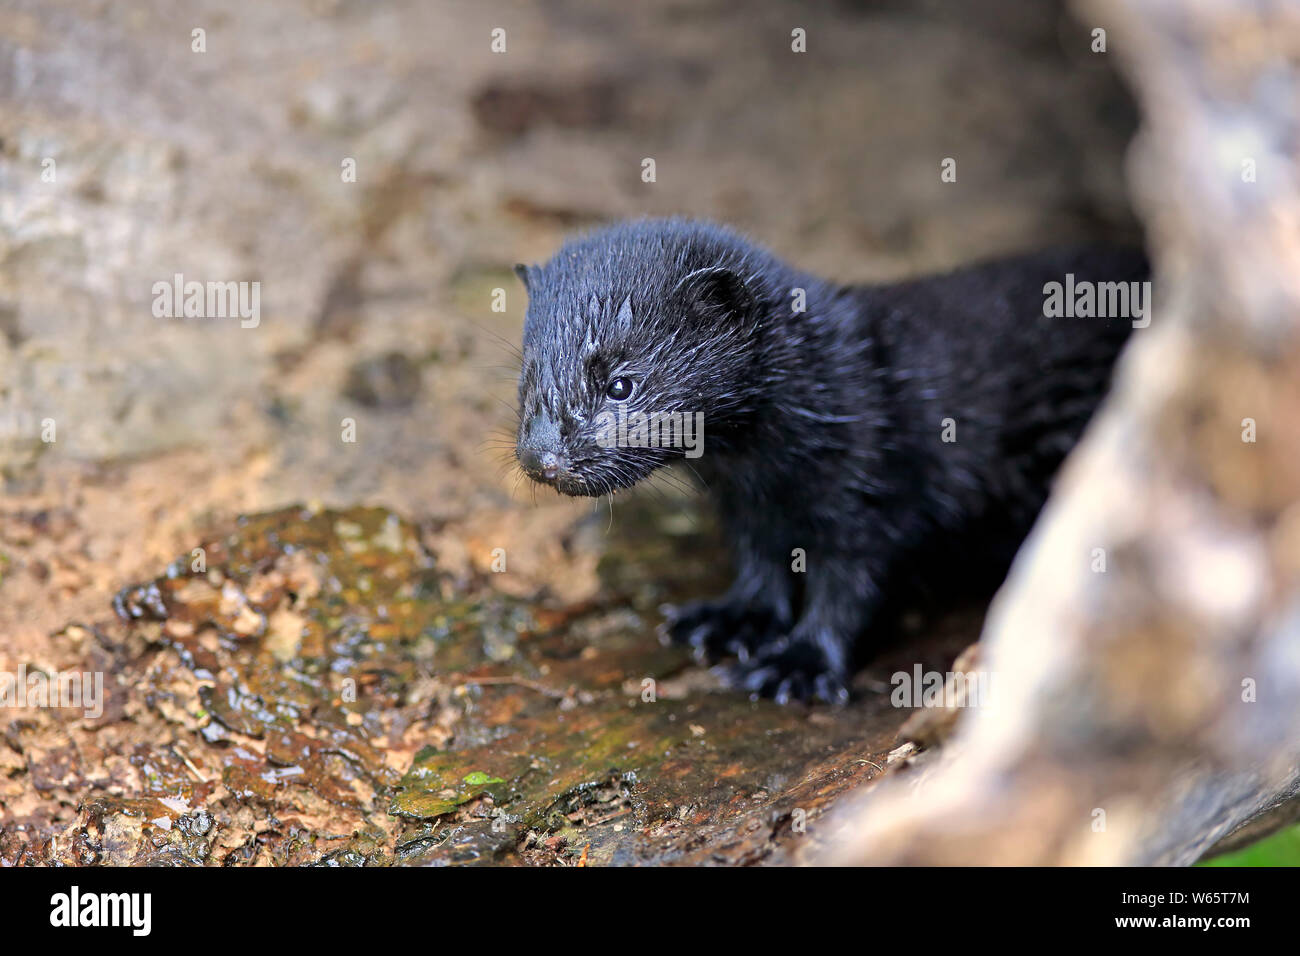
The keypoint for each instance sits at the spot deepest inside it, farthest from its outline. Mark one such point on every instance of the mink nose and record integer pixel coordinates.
(539, 447)
(542, 464)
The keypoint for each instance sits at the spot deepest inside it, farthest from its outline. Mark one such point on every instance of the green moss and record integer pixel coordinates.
(1280, 849)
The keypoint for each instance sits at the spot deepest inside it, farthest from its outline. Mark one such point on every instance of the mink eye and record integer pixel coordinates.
(620, 390)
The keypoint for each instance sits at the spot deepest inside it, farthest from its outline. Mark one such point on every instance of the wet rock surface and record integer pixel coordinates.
(312, 689)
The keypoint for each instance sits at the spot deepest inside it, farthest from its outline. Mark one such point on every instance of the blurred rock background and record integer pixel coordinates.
(225, 165)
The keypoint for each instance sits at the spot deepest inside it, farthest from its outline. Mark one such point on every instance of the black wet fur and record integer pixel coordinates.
(823, 428)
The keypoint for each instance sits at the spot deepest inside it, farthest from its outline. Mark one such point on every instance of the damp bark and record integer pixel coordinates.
(310, 688)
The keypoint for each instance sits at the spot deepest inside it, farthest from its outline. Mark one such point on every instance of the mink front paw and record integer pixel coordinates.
(714, 629)
(792, 670)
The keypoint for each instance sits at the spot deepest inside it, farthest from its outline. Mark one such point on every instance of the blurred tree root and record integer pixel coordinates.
(1145, 712)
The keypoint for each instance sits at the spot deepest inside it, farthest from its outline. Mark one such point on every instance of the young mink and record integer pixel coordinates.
(900, 435)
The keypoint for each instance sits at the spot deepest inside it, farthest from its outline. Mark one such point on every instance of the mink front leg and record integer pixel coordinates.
(755, 610)
(814, 660)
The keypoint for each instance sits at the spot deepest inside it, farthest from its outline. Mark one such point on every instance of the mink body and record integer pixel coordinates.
(824, 428)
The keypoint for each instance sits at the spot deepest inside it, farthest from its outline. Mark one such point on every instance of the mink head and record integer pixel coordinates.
(638, 339)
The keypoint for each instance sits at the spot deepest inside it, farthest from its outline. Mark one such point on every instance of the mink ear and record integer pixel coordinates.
(524, 272)
(716, 293)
